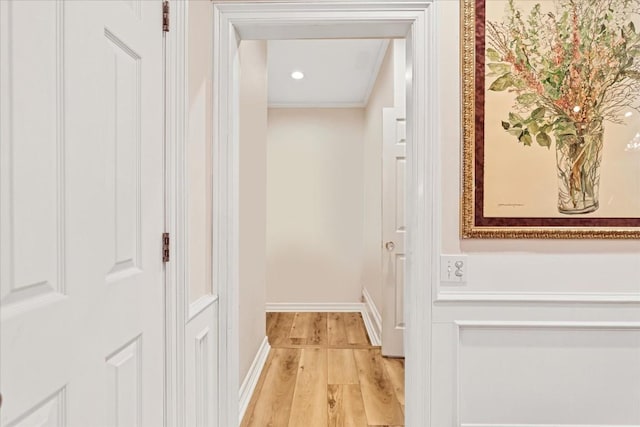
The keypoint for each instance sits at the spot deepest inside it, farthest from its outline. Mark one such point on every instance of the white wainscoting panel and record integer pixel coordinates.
(461, 295)
(515, 374)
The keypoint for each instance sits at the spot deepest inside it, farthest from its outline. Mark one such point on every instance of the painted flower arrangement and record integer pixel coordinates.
(570, 70)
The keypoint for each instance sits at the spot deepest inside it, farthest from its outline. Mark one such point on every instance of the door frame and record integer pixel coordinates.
(176, 283)
(415, 20)
(175, 90)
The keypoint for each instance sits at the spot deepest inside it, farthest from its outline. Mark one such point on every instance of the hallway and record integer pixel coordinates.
(322, 371)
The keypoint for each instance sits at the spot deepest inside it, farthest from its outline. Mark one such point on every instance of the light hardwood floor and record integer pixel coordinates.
(323, 372)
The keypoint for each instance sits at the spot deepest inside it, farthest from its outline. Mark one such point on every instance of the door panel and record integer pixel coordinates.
(393, 229)
(33, 234)
(398, 320)
(123, 139)
(124, 385)
(32, 150)
(82, 278)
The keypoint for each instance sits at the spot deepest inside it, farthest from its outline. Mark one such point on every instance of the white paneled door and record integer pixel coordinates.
(393, 229)
(81, 213)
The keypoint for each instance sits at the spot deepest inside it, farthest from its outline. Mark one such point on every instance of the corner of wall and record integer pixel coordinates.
(253, 375)
(372, 318)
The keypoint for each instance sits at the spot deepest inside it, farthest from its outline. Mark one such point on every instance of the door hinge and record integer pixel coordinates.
(165, 247)
(165, 16)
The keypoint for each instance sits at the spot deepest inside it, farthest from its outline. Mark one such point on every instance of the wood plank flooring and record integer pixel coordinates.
(323, 372)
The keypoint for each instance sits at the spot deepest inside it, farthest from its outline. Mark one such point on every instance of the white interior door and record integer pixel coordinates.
(81, 213)
(393, 229)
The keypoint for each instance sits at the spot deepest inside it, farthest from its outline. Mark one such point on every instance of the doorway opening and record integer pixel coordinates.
(315, 119)
(236, 21)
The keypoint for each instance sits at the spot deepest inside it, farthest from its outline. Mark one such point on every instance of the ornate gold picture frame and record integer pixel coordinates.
(551, 119)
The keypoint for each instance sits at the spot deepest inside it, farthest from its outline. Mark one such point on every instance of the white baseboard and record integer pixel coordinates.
(372, 319)
(321, 307)
(371, 316)
(251, 380)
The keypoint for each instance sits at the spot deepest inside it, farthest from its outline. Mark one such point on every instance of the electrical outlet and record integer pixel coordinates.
(453, 269)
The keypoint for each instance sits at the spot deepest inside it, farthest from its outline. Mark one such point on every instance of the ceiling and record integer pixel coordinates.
(337, 73)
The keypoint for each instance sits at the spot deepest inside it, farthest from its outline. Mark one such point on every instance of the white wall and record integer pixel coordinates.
(314, 205)
(381, 97)
(253, 152)
(548, 370)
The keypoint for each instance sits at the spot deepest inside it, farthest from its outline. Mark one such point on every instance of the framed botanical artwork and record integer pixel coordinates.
(551, 118)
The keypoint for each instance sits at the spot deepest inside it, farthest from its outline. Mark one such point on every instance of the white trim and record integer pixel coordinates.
(318, 105)
(335, 307)
(480, 324)
(322, 307)
(175, 300)
(418, 22)
(382, 51)
(372, 319)
(374, 337)
(177, 307)
(574, 297)
(548, 425)
(251, 379)
(546, 325)
(199, 305)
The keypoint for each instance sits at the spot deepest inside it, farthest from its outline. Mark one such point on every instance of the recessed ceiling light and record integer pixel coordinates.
(297, 75)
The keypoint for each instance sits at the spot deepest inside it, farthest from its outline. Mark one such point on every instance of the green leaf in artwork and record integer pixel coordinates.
(499, 68)
(543, 140)
(505, 125)
(538, 113)
(546, 128)
(493, 54)
(517, 132)
(515, 118)
(563, 128)
(533, 127)
(526, 138)
(527, 99)
(502, 83)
